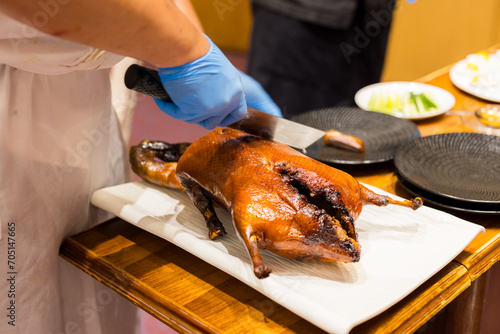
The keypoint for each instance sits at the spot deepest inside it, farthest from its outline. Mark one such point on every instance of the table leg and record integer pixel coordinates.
(463, 315)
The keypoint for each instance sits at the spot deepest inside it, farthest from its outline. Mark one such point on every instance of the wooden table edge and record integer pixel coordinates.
(429, 298)
(447, 284)
(481, 260)
(173, 315)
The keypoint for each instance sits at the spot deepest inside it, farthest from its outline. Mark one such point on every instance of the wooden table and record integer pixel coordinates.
(191, 296)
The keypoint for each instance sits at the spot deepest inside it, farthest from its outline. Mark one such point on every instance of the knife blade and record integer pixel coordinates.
(147, 81)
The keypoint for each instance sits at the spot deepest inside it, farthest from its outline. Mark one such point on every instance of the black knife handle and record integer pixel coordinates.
(146, 81)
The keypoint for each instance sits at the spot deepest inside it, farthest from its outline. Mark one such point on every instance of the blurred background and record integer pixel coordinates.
(425, 35)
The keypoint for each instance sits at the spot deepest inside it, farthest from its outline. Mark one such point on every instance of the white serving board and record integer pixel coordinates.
(400, 249)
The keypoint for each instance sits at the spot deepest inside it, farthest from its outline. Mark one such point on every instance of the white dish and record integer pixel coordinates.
(483, 82)
(443, 99)
(401, 249)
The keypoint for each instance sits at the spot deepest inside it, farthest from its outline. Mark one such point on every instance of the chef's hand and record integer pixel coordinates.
(207, 91)
(257, 97)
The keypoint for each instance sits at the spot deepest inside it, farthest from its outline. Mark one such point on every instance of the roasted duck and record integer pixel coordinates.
(280, 199)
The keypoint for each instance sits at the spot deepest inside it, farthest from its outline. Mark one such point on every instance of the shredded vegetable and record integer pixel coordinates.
(395, 103)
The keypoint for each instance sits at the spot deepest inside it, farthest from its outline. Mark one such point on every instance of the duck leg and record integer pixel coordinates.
(251, 240)
(203, 201)
(369, 197)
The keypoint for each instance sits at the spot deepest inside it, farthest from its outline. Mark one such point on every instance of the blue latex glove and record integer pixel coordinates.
(257, 97)
(207, 91)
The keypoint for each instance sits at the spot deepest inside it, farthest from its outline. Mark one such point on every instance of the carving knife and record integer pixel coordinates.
(147, 81)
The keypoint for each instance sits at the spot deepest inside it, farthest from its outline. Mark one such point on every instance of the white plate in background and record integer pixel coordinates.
(443, 99)
(482, 79)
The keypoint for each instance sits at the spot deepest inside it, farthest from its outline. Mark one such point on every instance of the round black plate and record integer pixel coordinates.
(382, 134)
(456, 166)
(449, 203)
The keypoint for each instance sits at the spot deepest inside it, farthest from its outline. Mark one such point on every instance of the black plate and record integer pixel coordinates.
(449, 203)
(454, 168)
(382, 134)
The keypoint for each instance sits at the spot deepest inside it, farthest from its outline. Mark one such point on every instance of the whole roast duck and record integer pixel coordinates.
(280, 199)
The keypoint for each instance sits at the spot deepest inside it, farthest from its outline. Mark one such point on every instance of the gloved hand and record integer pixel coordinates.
(257, 97)
(207, 91)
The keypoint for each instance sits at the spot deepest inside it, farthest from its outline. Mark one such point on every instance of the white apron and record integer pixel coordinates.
(59, 141)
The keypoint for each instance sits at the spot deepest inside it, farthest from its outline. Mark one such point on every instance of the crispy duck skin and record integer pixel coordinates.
(156, 162)
(280, 199)
(344, 141)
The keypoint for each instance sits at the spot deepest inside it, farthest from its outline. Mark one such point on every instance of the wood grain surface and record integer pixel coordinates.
(176, 287)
